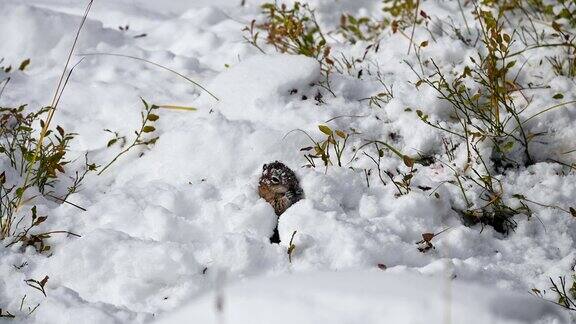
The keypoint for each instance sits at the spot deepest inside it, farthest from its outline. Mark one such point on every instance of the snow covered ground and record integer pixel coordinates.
(364, 297)
(163, 228)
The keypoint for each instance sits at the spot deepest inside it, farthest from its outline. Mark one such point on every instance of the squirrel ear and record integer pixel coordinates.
(264, 167)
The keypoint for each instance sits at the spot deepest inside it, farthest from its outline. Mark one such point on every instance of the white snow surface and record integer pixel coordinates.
(363, 297)
(163, 229)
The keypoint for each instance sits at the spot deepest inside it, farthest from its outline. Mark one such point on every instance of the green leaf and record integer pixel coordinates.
(153, 117)
(148, 129)
(341, 133)
(111, 142)
(24, 64)
(145, 103)
(508, 146)
(325, 129)
(558, 96)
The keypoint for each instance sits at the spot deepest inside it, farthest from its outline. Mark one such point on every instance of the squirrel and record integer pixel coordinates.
(279, 186)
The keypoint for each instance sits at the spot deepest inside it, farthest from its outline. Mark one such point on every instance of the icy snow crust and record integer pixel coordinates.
(166, 227)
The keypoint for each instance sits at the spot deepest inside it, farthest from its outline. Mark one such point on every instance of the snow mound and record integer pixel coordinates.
(252, 87)
(40, 33)
(365, 297)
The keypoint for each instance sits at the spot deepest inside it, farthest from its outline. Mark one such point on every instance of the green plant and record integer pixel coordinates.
(564, 64)
(401, 9)
(37, 239)
(405, 13)
(146, 127)
(291, 247)
(566, 298)
(558, 18)
(335, 139)
(486, 109)
(403, 184)
(487, 118)
(293, 30)
(18, 146)
(50, 111)
(383, 96)
(34, 158)
(7, 69)
(360, 29)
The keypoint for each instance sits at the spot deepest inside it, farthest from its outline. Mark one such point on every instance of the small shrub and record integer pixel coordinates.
(292, 30)
(402, 181)
(18, 147)
(404, 12)
(142, 138)
(566, 297)
(364, 29)
(335, 139)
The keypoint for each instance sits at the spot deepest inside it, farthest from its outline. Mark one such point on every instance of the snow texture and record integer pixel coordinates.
(170, 226)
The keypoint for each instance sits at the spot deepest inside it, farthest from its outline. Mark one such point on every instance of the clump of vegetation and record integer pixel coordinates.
(335, 141)
(402, 179)
(293, 30)
(566, 297)
(365, 29)
(482, 97)
(403, 12)
(36, 165)
(35, 161)
(34, 168)
(488, 119)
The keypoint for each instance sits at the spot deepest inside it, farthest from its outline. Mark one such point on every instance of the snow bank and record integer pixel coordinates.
(365, 297)
(253, 88)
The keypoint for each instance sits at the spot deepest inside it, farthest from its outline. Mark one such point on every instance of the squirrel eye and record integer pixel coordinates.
(275, 180)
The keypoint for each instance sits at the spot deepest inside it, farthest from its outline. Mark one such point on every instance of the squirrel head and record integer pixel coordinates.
(278, 177)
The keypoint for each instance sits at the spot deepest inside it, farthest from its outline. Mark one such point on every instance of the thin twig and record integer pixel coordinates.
(414, 26)
(157, 65)
(64, 77)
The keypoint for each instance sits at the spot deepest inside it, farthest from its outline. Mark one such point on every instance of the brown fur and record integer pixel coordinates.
(279, 186)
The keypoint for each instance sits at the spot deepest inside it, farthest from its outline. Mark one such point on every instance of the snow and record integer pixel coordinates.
(366, 297)
(163, 228)
(265, 80)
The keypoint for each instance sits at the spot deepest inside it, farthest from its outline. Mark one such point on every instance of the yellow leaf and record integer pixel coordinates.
(325, 129)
